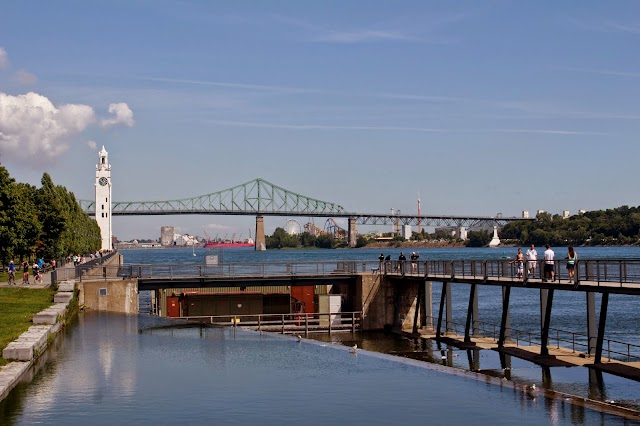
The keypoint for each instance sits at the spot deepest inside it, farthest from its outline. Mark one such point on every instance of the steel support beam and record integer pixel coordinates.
(449, 309)
(416, 315)
(591, 323)
(427, 306)
(472, 314)
(604, 304)
(443, 296)
(505, 323)
(544, 344)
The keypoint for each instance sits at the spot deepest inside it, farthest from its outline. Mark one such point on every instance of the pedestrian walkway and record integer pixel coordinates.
(46, 278)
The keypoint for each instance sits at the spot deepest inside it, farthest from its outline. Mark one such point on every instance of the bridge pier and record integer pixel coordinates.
(261, 242)
(353, 235)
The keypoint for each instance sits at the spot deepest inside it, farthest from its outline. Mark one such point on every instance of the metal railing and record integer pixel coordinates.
(247, 269)
(288, 323)
(598, 271)
(90, 269)
(577, 342)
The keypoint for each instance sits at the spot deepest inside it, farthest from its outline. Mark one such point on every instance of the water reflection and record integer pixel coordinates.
(117, 369)
(580, 381)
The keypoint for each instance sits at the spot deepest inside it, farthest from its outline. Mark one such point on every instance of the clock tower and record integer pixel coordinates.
(103, 198)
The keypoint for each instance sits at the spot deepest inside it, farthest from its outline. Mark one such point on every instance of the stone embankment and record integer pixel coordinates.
(32, 343)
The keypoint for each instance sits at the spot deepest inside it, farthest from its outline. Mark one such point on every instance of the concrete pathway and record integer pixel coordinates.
(46, 278)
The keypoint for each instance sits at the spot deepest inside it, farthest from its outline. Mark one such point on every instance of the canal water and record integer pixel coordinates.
(112, 369)
(108, 368)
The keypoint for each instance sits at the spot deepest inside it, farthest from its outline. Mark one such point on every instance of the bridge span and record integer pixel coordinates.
(398, 295)
(261, 198)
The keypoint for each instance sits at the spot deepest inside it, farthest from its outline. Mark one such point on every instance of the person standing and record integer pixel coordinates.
(549, 272)
(519, 264)
(532, 261)
(572, 258)
(401, 261)
(25, 272)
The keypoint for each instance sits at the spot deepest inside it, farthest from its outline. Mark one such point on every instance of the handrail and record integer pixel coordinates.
(534, 337)
(292, 322)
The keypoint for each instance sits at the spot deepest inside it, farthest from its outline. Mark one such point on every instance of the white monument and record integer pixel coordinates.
(495, 241)
(103, 198)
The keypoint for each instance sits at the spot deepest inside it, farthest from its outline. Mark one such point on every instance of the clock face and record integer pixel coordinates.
(103, 181)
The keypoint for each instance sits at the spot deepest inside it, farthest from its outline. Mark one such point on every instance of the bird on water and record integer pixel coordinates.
(354, 349)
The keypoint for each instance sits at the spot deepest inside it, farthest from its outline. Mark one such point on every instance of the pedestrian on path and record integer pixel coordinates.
(549, 273)
(532, 261)
(572, 258)
(25, 272)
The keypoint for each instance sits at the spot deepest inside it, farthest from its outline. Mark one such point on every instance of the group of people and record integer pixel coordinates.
(37, 268)
(402, 260)
(549, 273)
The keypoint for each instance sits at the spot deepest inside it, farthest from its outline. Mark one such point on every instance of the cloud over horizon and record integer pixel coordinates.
(33, 130)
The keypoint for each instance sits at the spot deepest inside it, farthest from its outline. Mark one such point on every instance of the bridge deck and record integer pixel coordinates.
(558, 356)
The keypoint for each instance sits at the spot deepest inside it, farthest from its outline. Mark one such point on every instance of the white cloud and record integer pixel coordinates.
(92, 144)
(25, 78)
(122, 115)
(4, 59)
(33, 130)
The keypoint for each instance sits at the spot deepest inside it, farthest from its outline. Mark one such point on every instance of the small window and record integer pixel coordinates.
(106, 200)
(102, 214)
(106, 215)
(102, 292)
(103, 160)
(103, 207)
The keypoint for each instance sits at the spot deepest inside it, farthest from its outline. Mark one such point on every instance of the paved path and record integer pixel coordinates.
(46, 279)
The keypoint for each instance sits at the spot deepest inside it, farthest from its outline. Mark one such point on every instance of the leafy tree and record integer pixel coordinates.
(478, 238)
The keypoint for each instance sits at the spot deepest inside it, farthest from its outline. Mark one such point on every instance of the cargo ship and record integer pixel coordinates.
(229, 243)
(216, 244)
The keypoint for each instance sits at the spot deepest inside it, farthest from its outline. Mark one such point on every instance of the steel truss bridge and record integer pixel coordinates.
(262, 198)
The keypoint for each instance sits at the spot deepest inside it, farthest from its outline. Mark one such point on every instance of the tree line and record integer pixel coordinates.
(43, 222)
(617, 226)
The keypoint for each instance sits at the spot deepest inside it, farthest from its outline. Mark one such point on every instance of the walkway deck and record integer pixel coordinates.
(558, 357)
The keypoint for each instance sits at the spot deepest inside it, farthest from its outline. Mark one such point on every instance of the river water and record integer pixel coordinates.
(108, 368)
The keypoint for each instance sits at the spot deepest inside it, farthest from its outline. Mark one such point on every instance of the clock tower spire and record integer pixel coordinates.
(103, 198)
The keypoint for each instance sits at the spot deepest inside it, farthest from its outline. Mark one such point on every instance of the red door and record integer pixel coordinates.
(304, 294)
(173, 306)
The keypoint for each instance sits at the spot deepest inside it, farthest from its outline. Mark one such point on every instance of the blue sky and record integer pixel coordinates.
(480, 107)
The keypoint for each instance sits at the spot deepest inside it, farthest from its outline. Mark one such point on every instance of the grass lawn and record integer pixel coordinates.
(17, 306)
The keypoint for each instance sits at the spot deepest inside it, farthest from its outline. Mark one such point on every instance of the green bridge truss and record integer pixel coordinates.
(260, 197)
(251, 198)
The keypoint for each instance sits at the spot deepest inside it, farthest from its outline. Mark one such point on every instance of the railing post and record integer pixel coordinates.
(282, 323)
(329, 322)
(306, 325)
(259, 322)
(353, 322)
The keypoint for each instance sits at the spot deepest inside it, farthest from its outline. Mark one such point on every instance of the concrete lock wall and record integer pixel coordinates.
(385, 302)
(110, 296)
